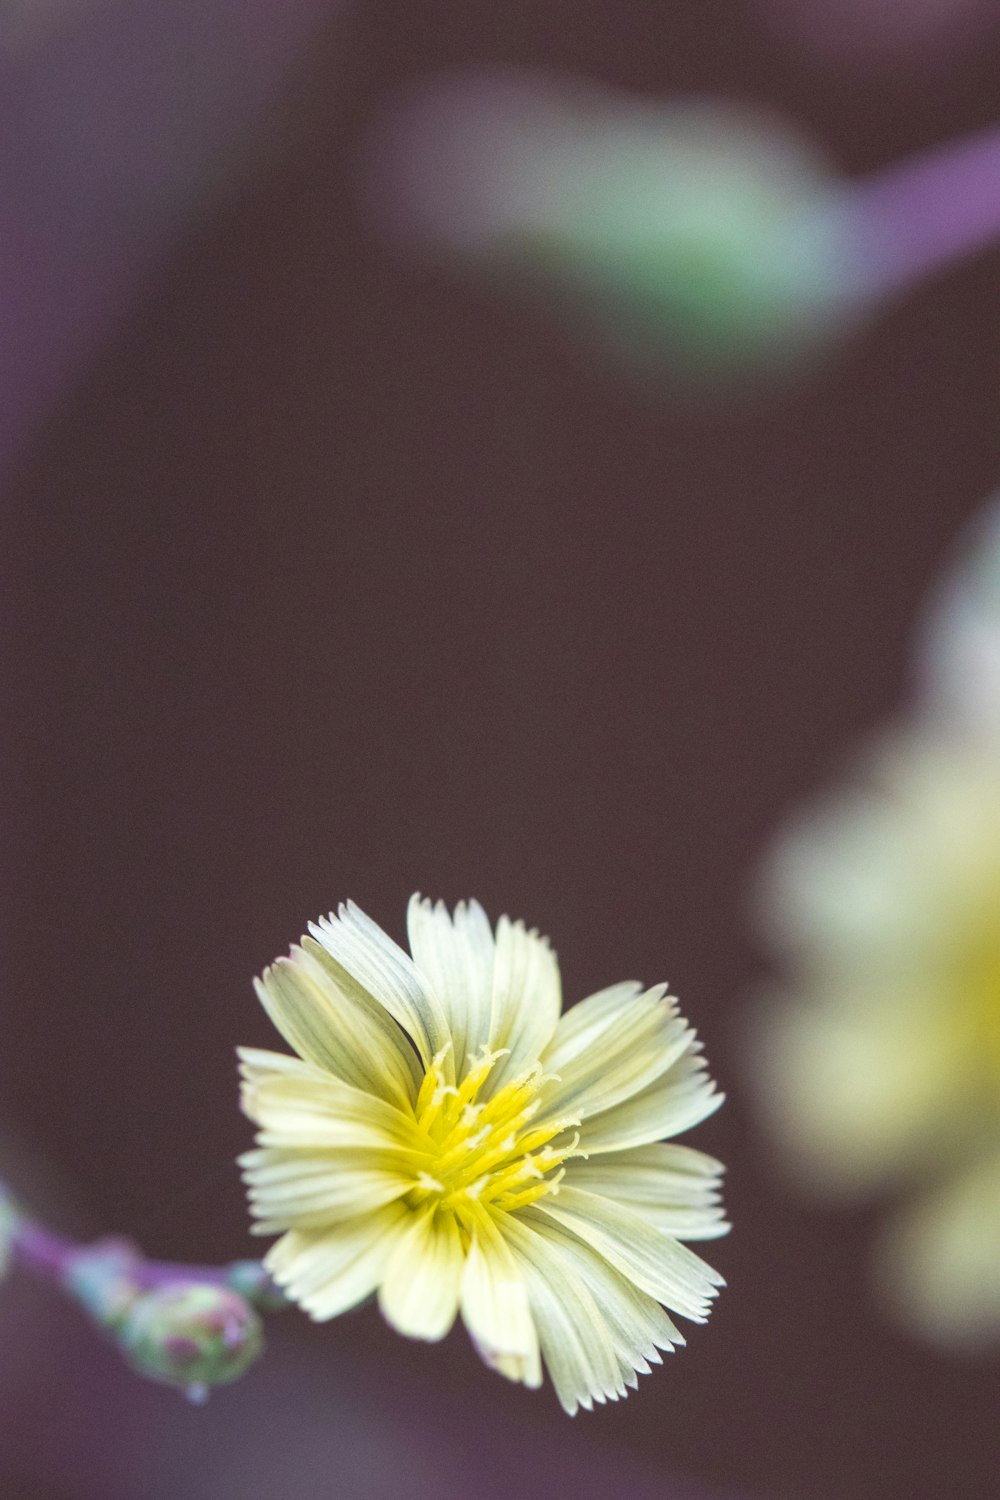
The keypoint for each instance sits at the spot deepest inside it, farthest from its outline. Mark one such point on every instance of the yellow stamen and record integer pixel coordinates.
(477, 1155)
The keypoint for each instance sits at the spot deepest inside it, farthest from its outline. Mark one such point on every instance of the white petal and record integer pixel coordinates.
(456, 954)
(672, 1187)
(684, 1096)
(311, 1188)
(258, 1062)
(587, 1020)
(638, 1326)
(575, 1340)
(636, 1043)
(527, 998)
(689, 1170)
(383, 970)
(329, 1271)
(308, 1106)
(336, 1026)
(656, 1262)
(495, 1308)
(420, 1286)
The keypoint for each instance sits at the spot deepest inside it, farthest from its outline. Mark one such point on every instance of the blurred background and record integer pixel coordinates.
(328, 571)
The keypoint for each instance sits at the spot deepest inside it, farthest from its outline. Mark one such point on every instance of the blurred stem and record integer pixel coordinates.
(39, 1249)
(191, 1327)
(56, 1258)
(51, 1255)
(917, 218)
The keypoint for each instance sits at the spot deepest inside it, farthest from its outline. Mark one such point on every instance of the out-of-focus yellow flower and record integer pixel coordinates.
(958, 651)
(879, 1061)
(886, 904)
(447, 1139)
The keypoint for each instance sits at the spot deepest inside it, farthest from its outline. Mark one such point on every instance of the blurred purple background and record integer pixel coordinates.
(325, 574)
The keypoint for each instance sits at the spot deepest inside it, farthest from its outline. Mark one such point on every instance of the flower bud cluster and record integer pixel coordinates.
(188, 1328)
(190, 1334)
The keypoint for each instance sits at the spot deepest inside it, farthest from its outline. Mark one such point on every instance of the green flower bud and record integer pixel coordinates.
(8, 1228)
(102, 1278)
(190, 1334)
(696, 234)
(692, 235)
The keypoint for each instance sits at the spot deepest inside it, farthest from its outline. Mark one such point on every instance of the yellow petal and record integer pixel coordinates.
(312, 1188)
(573, 1332)
(639, 1040)
(381, 968)
(326, 1272)
(314, 1108)
(495, 1307)
(456, 954)
(526, 1000)
(637, 1325)
(420, 1286)
(672, 1187)
(341, 1031)
(657, 1263)
(682, 1097)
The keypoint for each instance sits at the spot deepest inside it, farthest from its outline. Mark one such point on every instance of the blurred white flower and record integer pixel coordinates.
(959, 647)
(885, 903)
(940, 1261)
(878, 1059)
(449, 1140)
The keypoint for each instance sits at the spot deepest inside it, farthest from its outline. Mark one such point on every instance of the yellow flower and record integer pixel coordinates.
(446, 1138)
(880, 1062)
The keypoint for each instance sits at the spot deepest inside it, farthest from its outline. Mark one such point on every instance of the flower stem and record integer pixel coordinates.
(55, 1258)
(191, 1327)
(917, 218)
(40, 1250)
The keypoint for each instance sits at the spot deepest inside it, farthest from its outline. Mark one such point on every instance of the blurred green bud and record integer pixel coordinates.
(694, 233)
(9, 1219)
(190, 1334)
(102, 1278)
(697, 235)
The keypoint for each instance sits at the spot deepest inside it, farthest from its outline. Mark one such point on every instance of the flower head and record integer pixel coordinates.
(447, 1139)
(879, 1059)
(885, 1068)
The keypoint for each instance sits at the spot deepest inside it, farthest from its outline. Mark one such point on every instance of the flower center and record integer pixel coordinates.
(486, 1153)
(978, 975)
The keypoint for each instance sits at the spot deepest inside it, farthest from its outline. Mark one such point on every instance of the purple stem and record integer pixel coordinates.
(919, 217)
(52, 1255)
(153, 1273)
(41, 1250)
(115, 131)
